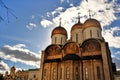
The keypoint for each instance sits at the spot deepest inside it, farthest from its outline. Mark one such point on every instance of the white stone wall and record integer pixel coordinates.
(33, 75)
(59, 39)
(117, 77)
(92, 32)
(79, 37)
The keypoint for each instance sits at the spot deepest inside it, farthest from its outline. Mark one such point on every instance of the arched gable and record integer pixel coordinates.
(91, 45)
(52, 50)
(71, 48)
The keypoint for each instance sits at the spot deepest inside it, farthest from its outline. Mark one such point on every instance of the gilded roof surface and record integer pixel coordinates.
(76, 26)
(92, 23)
(59, 30)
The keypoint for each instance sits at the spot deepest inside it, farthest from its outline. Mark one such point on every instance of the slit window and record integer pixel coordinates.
(98, 73)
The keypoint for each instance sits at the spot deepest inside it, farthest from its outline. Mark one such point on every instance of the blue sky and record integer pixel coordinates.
(23, 39)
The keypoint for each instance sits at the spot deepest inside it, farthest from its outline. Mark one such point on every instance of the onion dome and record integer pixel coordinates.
(77, 25)
(59, 30)
(92, 23)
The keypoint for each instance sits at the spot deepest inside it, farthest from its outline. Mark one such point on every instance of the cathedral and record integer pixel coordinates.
(85, 56)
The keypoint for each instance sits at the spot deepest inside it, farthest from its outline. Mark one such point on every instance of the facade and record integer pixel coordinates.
(22, 75)
(117, 75)
(31, 74)
(86, 56)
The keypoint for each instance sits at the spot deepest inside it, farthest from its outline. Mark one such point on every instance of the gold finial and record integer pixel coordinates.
(78, 17)
(60, 22)
(89, 13)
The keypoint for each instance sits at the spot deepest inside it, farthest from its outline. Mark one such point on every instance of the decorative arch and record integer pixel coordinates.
(91, 45)
(71, 48)
(52, 50)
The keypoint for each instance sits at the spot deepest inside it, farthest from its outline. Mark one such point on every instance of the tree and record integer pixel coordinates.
(8, 12)
(1, 76)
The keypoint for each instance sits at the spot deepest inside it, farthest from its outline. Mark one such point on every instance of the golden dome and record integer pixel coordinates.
(59, 30)
(92, 23)
(77, 26)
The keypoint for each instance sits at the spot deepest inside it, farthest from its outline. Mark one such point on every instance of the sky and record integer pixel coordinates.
(26, 28)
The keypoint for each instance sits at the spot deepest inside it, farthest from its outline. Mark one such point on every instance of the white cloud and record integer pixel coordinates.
(101, 10)
(61, 1)
(3, 67)
(19, 53)
(30, 26)
(58, 10)
(46, 23)
(19, 46)
(114, 41)
(118, 52)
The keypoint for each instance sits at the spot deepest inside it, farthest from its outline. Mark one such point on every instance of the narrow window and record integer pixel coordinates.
(61, 40)
(60, 73)
(34, 76)
(77, 73)
(77, 38)
(67, 73)
(44, 74)
(97, 33)
(54, 74)
(98, 73)
(55, 40)
(91, 33)
(84, 35)
(86, 74)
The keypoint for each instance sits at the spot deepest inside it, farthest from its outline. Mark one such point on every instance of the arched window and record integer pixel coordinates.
(86, 74)
(76, 37)
(97, 33)
(54, 74)
(77, 73)
(91, 33)
(44, 74)
(84, 35)
(67, 73)
(61, 40)
(55, 40)
(60, 73)
(98, 73)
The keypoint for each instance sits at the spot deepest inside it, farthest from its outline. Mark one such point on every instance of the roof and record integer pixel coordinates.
(91, 23)
(76, 26)
(59, 30)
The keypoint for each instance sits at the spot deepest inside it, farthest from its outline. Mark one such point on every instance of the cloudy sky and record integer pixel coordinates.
(26, 25)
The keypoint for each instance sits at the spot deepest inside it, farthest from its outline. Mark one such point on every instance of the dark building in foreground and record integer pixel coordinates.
(86, 56)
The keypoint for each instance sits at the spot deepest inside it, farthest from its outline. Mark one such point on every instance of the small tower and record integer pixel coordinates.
(12, 72)
(59, 35)
(76, 31)
(92, 28)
